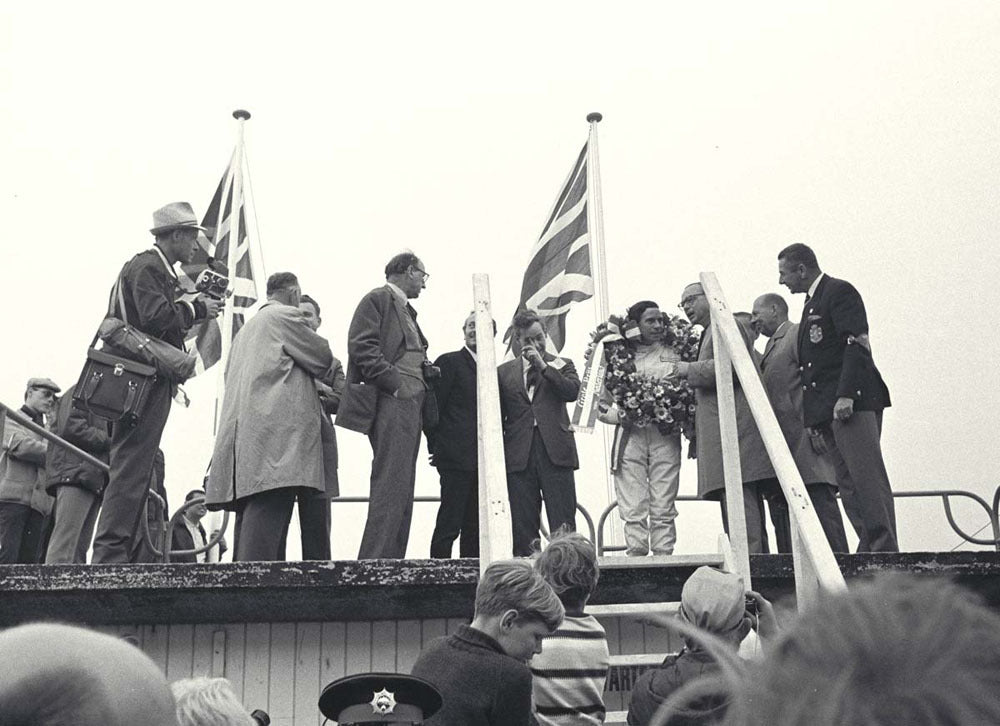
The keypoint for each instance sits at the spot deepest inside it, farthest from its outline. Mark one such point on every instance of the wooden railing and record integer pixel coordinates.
(815, 567)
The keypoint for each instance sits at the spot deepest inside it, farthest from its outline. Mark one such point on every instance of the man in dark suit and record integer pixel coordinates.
(843, 394)
(538, 442)
(454, 448)
(386, 398)
(189, 533)
(150, 303)
(783, 383)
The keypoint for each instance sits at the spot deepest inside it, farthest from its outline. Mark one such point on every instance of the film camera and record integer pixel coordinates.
(213, 284)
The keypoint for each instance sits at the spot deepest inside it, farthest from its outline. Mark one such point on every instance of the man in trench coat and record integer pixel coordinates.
(755, 466)
(271, 443)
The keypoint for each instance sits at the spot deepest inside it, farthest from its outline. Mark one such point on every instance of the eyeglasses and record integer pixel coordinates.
(46, 393)
(690, 299)
(423, 274)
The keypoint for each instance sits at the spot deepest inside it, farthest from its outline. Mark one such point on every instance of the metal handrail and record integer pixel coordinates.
(992, 513)
(579, 507)
(49, 436)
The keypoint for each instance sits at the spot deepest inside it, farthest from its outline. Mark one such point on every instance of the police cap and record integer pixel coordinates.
(382, 698)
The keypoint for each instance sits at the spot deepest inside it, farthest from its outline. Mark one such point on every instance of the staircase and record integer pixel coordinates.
(636, 644)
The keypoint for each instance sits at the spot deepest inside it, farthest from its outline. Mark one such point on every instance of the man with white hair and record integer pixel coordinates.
(209, 702)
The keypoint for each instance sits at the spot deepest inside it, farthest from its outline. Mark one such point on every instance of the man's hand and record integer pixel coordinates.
(817, 441)
(212, 306)
(843, 409)
(533, 357)
(680, 370)
(767, 623)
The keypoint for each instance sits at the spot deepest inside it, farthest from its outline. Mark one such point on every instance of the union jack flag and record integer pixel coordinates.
(559, 273)
(205, 339)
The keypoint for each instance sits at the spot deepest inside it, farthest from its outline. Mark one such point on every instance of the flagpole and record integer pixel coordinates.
(234, 241)
(599, 268)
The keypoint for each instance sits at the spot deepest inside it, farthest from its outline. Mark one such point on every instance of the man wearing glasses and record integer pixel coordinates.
(386, 398)
(755, 465)
(24, 505)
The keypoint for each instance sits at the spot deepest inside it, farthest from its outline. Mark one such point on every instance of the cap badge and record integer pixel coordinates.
(383, 702)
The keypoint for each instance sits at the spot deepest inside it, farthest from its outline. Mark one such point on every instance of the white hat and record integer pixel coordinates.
(178, 215)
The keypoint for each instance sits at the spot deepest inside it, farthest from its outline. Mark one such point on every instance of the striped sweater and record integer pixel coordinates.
(568, 675)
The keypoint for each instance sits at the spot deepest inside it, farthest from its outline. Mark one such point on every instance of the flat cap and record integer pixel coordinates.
(43, 383)
(713, 600)
(381, 698)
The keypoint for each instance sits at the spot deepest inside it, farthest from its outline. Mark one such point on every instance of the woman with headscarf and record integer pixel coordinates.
(646, 463)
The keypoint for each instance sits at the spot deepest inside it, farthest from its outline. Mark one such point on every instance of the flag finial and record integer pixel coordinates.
(594, 117)
(245, 115)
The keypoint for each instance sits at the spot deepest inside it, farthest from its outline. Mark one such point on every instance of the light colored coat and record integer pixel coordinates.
(270, 432)
(754, 461)
(780, 373)
(22, 467)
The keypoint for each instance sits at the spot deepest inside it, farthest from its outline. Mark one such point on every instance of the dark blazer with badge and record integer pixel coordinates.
(783, 383)
(375, 341)
(834, 363)
(454, 442)
(559, 384)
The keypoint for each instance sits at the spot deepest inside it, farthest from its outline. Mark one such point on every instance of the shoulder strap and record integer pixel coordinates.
(115, 301)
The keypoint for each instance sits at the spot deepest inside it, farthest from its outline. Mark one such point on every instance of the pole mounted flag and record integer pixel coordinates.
(225, 246)
(560, 268)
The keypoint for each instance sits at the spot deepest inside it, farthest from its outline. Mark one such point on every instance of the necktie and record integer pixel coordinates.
(534, 377)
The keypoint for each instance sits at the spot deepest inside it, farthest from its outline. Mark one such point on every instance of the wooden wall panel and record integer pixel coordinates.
(281, 698)
(256, 666)
(333, 652)
(384, 646)
(234, 658)
(359, 648)
(204, 645)
(408, 644)
(307, 673)
(180, 651)
(154, 643)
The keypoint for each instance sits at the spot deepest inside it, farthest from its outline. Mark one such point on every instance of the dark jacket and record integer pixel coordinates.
(479, 683)
(180, 539)
(85, 431)
(454, 442)
(559, 385)
(656, 685)
(150, 294)
(834, 364)
(376, 340)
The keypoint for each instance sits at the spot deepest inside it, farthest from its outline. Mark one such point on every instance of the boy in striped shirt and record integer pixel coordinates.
(568, 675)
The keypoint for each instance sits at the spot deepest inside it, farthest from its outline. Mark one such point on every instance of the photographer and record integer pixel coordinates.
(716, 603)
(149, 301)
(387, 399)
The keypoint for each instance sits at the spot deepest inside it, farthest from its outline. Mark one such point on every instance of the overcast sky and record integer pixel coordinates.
(867, 130)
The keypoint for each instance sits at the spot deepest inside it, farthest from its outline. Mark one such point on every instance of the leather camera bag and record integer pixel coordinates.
(111, 386)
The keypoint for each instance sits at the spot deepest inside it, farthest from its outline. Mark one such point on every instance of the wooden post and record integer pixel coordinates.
(731, 452)
(806, 582)
(495, 539)
(726, 335)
